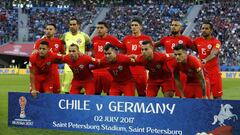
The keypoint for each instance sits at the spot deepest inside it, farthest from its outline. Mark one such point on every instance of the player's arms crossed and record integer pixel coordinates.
(214, 52)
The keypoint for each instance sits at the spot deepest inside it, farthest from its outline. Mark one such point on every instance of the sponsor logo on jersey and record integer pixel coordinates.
(120, 67)
(79, 41)
(56, 46)
(81, 66)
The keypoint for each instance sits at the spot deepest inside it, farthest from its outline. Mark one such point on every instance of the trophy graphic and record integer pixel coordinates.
(22, 103)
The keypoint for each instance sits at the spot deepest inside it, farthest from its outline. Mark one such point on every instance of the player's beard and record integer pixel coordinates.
(73, 31)
(205, 35)
(49, 36)
(174, 32)
(148, 57)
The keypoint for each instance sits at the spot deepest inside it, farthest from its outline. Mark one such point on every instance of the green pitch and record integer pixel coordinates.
(20, 83)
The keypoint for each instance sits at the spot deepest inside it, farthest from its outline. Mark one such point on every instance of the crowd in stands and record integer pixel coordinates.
(156, 17)
(226, 19)
(60, 16)
(8, 21)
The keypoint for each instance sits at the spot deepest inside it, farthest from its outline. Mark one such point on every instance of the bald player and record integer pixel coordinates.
(170, 41)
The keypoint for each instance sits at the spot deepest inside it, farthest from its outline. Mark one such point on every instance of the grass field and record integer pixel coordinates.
(19, 83)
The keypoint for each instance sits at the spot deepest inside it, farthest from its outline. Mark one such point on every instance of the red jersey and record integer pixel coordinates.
(190, 68)
(119, 70)
(43, 66)
(132, 43)
(55, 44)
(204, 48)
(169, 42)
(158, 68)
(99, 43)
(80, 68)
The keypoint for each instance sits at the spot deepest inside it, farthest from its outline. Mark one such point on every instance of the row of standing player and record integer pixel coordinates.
(207, 47)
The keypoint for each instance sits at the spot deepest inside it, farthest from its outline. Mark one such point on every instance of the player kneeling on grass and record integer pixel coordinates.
(81, 65)
(41, 65)
(192, 67)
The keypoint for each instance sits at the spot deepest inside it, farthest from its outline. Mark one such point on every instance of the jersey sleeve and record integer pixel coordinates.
(32, 60)
(194, 46)
(62, 47)
(125, 59)
(150, 39)
(63, 36)
(87, 39)
(124, 43)
(175, 68)
(57, 58)
(195, 64)
(189, 42)
(36, 44)
(139, 60)
(117, 43)
(217, 45)
(161, 42)
(162, 57)
(65, 58)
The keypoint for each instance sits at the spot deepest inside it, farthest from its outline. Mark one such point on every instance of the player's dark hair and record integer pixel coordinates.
(138, 20)
(208, 23)
(52, 24)
(72, 45)
(145, 42)
(176, 19)
(44, 43)
(180, 47)
(104, 23)
(75, 19)
(108, 46)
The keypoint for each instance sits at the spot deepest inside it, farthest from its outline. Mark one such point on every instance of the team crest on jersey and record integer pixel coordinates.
(120, 67)
(153, 69)
(49, 63)
(209, 46)
(180, 42)
(79, 41)
(59, 54)
(81, 66)
(158, 66)
(56, 45)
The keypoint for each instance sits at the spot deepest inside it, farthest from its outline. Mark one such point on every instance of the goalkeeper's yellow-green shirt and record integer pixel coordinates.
(81, 39)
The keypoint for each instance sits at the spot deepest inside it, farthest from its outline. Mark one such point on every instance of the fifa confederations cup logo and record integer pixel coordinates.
(22, 103)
